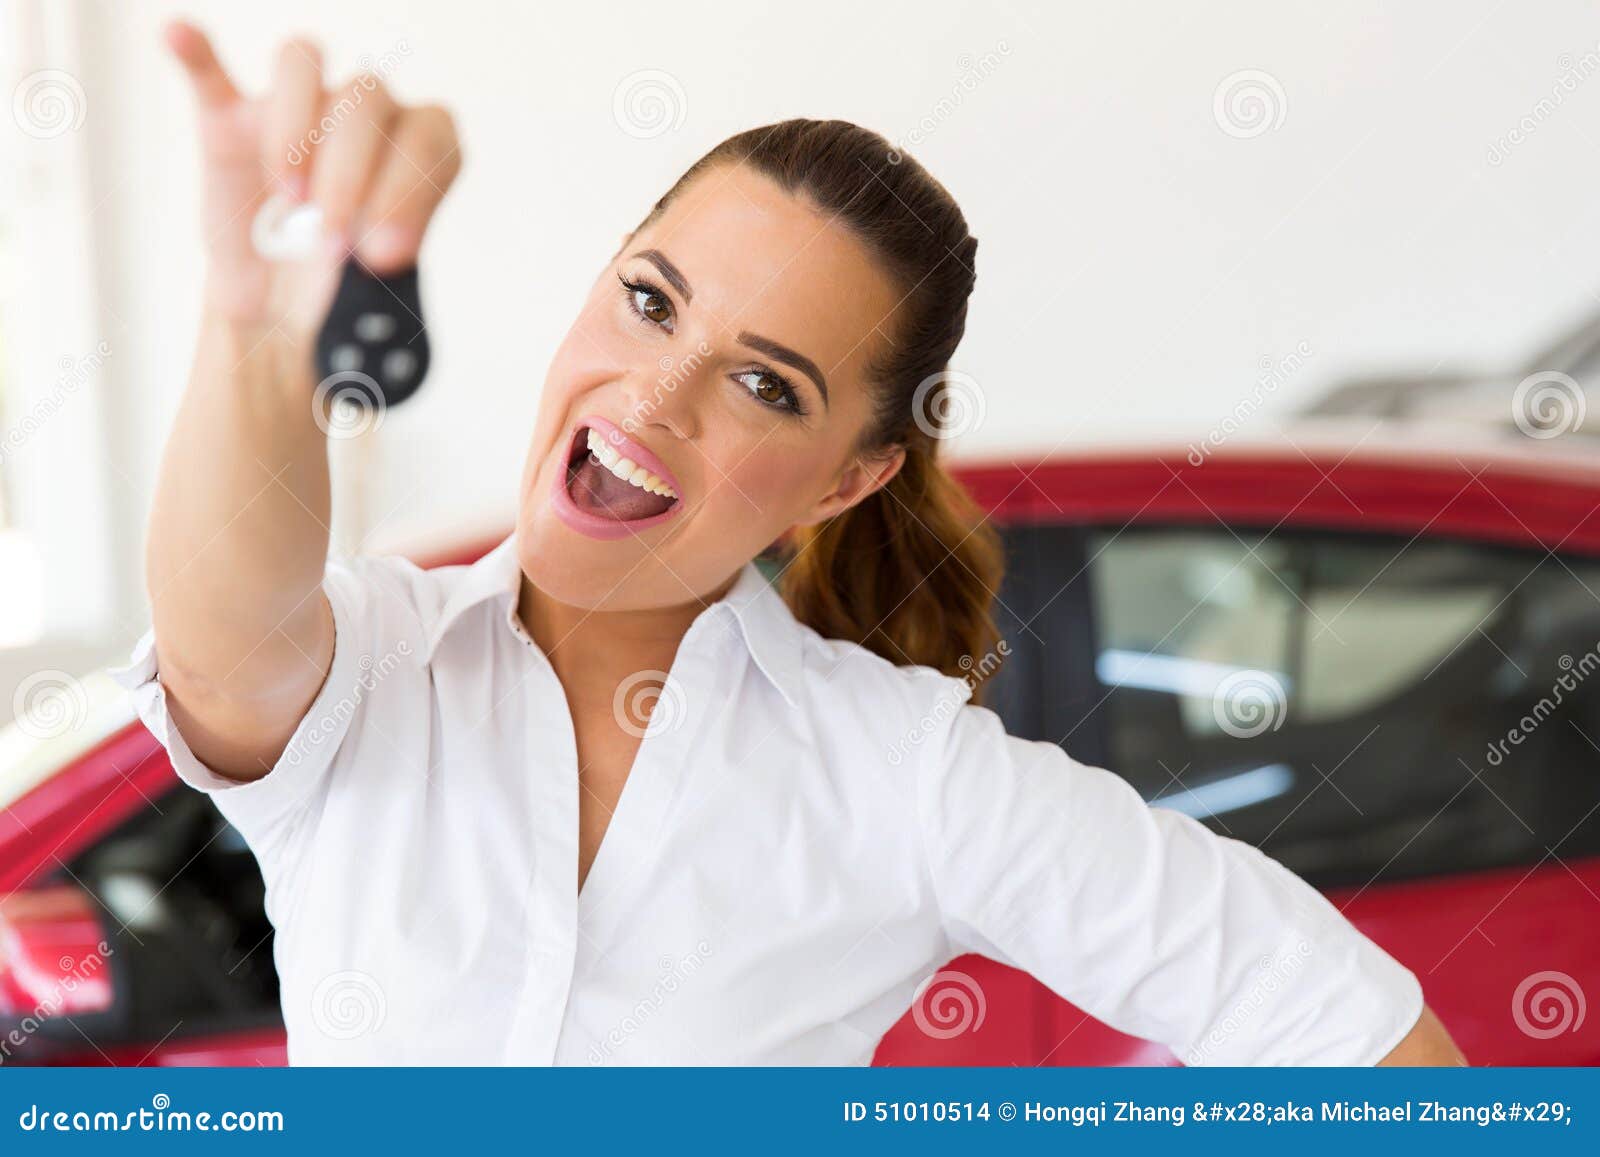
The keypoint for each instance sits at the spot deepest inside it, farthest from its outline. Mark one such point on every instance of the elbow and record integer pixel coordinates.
(1427, 1044)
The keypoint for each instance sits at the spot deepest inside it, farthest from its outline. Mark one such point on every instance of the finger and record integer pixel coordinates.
(211, 83)
(292, 112)
(412, 179)
(361, 114)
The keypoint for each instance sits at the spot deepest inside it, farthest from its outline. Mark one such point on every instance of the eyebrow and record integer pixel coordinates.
(765, 345)
(668, 270)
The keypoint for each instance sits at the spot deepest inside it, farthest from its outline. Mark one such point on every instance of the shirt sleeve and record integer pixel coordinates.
(269, 810)
(1142, 916)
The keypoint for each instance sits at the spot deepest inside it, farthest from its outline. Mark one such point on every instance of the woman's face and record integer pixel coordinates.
(725, 351)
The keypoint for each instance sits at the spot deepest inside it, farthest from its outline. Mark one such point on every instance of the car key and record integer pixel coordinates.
(373, 340)
(373, 335)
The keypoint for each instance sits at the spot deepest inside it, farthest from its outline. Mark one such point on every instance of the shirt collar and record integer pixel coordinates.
(766, 624)
(770, 630)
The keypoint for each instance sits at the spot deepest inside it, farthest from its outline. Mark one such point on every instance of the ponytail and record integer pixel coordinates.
(909, 572)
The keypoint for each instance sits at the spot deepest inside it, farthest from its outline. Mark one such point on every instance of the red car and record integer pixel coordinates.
(1410, 630)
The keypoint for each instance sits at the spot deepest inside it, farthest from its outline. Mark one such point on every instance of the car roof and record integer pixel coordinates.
(1439, 444)
(1361, 475)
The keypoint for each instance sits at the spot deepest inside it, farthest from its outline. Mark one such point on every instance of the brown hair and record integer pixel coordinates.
(909, 572)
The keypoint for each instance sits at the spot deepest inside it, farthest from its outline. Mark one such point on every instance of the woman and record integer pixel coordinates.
(606, 795)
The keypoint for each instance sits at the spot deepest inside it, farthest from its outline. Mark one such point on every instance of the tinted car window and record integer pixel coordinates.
(1042, 612)
(1354, 705)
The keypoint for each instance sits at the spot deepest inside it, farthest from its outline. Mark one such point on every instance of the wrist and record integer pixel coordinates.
(259, 357)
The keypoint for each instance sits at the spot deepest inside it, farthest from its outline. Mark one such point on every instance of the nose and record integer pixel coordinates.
(667, 395)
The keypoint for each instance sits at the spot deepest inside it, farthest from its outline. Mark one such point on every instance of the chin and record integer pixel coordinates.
(572, 569)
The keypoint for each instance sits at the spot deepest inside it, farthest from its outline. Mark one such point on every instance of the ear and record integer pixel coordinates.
(862, 477)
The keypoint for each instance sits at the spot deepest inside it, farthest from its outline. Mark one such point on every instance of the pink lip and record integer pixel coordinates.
(607, 528)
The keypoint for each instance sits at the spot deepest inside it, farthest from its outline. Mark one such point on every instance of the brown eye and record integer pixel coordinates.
(654, 306)
(771, 390)
(647, 303)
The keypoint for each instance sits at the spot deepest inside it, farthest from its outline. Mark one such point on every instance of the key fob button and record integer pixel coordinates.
(375, 327)
(399, 364)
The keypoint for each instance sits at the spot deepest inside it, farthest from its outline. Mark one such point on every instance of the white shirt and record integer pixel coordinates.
(808, 833)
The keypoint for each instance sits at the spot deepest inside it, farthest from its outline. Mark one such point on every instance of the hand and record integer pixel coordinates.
(377, 169)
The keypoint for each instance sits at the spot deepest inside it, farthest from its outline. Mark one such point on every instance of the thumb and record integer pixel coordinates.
(212, 85)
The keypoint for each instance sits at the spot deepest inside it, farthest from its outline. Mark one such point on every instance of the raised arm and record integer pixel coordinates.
(238, 533)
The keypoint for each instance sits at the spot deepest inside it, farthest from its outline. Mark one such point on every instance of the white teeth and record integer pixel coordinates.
(626, 468)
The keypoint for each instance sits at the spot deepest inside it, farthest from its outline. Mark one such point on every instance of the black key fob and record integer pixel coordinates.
(374, 338)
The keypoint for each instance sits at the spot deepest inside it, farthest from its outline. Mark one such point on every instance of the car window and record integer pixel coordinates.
(1179, 616)
(1042, 614)
(1383, 617)
(1353, 704)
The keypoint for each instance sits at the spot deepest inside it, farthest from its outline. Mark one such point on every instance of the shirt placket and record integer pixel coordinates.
(633, 844)
(555, 916)
(549, 932)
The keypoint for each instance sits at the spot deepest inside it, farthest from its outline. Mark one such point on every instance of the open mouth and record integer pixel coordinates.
(605, 481)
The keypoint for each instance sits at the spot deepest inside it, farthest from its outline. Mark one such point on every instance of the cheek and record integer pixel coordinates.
(592, 353)
(775, 482)
(565, 377)
(591, 348)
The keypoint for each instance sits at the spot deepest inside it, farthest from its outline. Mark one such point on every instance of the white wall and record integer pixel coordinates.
(1136, 261)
